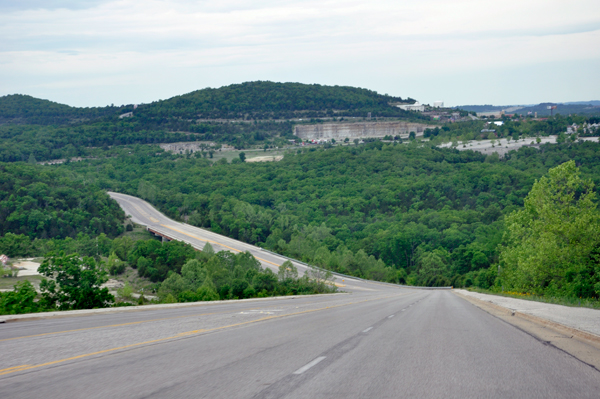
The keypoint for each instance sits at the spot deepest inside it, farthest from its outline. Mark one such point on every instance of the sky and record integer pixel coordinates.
(102, 52)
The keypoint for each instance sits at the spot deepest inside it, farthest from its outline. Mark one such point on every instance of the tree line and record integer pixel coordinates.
(45, 203)
(73, 280)
(400, 213)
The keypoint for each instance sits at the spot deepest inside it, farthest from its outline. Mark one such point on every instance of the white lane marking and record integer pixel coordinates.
(390, 316)
(309, 365)
(403, 310)
(368, 329)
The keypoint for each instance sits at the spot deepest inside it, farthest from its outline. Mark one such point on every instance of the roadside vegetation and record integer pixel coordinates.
(407, 213)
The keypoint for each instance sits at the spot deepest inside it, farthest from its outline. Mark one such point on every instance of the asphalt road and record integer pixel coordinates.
(376, 341)
(375, 344)
(145, 214)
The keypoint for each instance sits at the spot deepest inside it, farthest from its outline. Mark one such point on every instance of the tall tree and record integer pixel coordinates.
(555, 233)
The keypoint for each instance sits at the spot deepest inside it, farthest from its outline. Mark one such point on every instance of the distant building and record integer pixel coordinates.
(438, 104)
(495, 114)
(412, 107)
(126, 115)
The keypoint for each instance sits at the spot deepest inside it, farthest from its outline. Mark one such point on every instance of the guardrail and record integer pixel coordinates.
(354, 277)
(157, 232)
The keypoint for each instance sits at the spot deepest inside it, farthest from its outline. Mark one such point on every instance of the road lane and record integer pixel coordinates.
(144, 214)
(439, 346)
(378, 341)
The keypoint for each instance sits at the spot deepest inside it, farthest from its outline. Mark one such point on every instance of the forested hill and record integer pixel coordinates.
(24, 109)
(40, 130)
(263, 100)
(250, 100)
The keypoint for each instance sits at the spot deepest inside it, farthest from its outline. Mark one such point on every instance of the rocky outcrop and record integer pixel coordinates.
(328, 131)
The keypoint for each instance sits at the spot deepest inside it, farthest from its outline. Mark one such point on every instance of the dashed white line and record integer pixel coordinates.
(309, 365)
(390, 316)
(368, 329)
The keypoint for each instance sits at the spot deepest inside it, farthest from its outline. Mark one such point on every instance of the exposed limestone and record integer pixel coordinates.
(328, 131)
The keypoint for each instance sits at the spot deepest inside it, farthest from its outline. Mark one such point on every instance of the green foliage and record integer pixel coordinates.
(44, 203)
(21, 300)
(155, 260)
(125, 293)
(73, 283)
(236, 276)
(550, 244)
(260, 100)
(19, 108)
(348, 208)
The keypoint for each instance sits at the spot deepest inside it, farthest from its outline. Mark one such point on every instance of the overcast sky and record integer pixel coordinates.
(98, 52)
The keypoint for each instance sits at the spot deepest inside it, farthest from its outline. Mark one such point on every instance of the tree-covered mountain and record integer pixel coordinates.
(24, 109)
(562, 109)
(264, 112)
(264, 100)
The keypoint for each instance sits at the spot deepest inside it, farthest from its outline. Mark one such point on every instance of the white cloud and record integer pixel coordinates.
(189, 44)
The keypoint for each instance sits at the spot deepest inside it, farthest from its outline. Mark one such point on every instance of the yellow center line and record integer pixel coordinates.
(143, 321)
(214, 242)
(180, 335)
(108, 326)
(15, 368)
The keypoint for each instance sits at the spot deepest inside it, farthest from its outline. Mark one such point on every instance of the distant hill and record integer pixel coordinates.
(251, 100)
(483, 108)
(578, 107)
(24, 109)
(563, 109)
(264, 100)
(593, 102)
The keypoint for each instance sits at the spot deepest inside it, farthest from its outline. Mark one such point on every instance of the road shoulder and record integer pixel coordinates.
(582, 345)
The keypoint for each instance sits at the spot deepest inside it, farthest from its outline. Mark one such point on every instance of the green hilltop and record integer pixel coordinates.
(263, 100)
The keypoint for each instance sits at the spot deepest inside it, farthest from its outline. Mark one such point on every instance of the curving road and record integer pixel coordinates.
(145, 214)
(378, 341)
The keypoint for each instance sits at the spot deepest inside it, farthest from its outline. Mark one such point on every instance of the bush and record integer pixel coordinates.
(21, 300)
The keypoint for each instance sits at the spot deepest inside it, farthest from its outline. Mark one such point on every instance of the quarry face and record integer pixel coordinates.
(338, 131)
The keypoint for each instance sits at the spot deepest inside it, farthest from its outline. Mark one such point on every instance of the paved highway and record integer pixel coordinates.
(374, 344)
(145, 214)
(377, 341)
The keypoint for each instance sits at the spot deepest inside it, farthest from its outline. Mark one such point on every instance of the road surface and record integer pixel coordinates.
(388, 343)
(145, 214)
(376, 341)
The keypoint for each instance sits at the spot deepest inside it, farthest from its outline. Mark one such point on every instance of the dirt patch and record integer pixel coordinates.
(27, 267)
(265, 159)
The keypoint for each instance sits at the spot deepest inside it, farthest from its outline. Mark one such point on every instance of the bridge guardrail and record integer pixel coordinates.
(163, 234)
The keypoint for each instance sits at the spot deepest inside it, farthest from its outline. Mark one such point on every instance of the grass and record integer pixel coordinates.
(591, 303)
(7, 283)
(138, 233)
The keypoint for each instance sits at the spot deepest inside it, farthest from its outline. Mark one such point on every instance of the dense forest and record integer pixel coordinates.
(45, 203)
(377, 210)
(242, 115)
(408, 213)
(19, 108)
(266, 100)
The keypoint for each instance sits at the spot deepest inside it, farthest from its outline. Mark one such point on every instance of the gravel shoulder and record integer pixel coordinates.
(583, 319)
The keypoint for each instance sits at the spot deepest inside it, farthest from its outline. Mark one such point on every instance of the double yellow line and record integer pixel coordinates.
(25, 367)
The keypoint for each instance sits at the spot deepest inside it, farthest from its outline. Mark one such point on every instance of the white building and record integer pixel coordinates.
(438, 104)
(412, 107)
